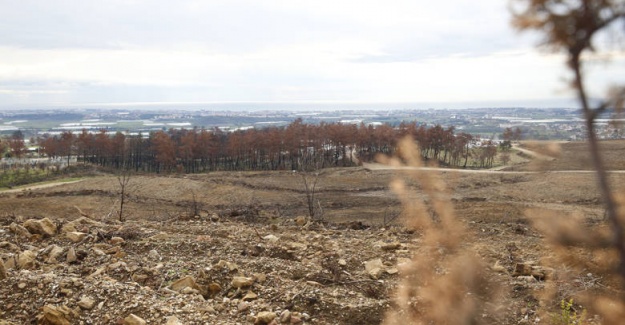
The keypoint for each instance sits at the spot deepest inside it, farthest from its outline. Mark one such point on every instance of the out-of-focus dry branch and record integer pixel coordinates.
(571, 26)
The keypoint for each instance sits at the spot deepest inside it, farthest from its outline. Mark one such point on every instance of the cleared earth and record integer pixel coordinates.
(225, 227)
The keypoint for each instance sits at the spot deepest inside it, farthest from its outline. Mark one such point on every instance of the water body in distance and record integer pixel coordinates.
(299, 106)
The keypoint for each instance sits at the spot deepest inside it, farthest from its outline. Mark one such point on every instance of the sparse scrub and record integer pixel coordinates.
(568, 315)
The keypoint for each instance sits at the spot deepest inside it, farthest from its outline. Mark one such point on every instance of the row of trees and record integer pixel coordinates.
(298, 146)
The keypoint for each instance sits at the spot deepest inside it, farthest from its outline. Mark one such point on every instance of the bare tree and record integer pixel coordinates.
(315, 212)
(505, 158)
(571, 26)
(389, 217)
(196, 206)
(123, 179)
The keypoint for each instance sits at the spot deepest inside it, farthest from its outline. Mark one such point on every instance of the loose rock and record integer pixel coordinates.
(26, 260)
(154, 255)
(392, 270)
(81, 222)
(231, 266)
(243, 306)
(186, 282)
(19, 230)
(250, 296)
(173, 320)
(301, 221)
(116, 240)
(3, 271)
(264, 317)
(214, 288)
(391, 246)
(56, 315)
(43, 226)
(55, 252)
(271, 238)
(75, 236)
(242, 282)
(71, 255)
(133, 319)
(374, 268)
(86, 303)
(285, 316)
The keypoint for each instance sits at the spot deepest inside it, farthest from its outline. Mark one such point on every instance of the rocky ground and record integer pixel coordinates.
(199, 271)
(248, 257)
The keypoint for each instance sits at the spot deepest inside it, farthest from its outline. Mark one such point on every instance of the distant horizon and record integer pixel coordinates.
(320, 105)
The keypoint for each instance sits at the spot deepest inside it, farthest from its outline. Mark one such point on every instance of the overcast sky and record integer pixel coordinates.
(447, 51)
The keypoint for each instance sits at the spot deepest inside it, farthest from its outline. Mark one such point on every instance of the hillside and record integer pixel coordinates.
(250, 255)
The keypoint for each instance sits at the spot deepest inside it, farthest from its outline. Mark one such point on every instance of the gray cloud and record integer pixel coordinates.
(80, 51)
(230, 26)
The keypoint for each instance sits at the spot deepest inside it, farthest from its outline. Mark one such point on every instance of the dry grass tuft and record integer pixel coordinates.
(586, 262)
(445, 283)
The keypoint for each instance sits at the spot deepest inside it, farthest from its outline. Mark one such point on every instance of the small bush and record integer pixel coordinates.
(568, 315)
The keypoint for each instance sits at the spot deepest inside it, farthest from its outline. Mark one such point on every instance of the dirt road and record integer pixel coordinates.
(376, 166)
(39, 186)
(532, 153)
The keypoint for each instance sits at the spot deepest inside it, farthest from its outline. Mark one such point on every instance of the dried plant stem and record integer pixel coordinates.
(602, 177)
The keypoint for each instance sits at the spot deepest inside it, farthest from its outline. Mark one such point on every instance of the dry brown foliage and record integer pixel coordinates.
(571, 27)
(445, 282)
